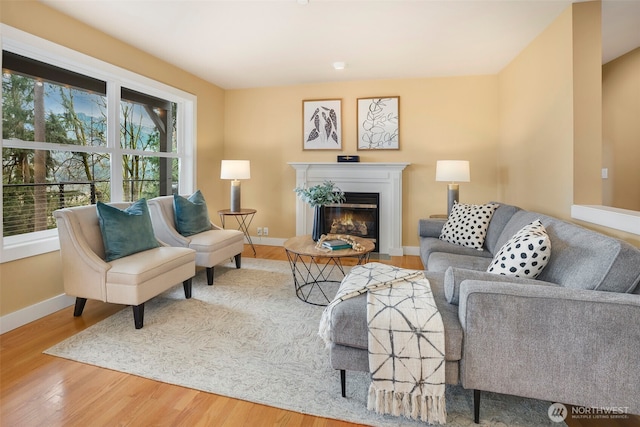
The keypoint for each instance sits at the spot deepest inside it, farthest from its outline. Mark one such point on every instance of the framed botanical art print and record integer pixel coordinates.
(379, 123)
(322, 124)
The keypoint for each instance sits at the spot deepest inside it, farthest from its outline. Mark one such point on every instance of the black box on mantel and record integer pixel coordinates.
(348, 159)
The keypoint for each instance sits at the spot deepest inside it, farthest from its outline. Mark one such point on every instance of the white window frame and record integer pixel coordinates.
(22, 43)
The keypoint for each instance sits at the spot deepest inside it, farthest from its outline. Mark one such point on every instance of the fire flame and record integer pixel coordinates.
(347, 219)
(347, 225)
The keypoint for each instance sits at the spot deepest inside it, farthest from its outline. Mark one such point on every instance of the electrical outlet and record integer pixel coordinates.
(259, 231)
(265, 231)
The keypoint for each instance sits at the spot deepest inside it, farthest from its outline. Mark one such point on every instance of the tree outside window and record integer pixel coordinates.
(55, 150)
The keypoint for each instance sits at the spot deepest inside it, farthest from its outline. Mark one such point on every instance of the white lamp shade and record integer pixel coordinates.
(453, 171)
(235, 169)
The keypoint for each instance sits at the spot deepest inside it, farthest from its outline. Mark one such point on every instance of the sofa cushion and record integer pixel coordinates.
(431, 227)
(581, 258)
(454, 276)
(525, 254)
(349, 320)
(125, 232)
(518, 220)
(191, 214)
(440, 261)
(499, 220)
(467, 224)
(215, 240)
(432, 245)
(148, 265)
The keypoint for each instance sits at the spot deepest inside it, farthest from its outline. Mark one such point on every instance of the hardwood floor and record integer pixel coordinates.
(41, 390)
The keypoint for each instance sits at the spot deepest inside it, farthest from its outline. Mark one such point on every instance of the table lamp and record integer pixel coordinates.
(235, 170)
(452, 171)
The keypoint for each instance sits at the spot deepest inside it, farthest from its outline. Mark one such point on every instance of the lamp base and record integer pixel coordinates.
(235, 196)
(453, 191)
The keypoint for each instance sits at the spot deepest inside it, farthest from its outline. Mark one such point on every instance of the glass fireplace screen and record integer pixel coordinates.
(357, 216)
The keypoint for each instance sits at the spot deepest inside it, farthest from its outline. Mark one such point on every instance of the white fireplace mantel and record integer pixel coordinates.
(382, 178)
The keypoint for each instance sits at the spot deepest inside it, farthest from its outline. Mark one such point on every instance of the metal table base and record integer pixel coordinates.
(317, 282)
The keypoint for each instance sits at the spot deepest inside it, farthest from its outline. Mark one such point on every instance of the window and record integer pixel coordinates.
(147, 124)
(76, 131)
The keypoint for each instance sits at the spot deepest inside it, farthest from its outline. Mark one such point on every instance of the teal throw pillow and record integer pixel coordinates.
(126, 232)
(191, 214)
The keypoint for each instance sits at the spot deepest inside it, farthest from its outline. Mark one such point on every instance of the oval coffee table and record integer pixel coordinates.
(316, 272)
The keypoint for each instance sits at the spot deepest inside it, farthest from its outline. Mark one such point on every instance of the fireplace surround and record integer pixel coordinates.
(370, 177)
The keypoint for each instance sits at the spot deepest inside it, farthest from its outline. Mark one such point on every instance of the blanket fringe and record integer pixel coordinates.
(430, 409)
(324, 329)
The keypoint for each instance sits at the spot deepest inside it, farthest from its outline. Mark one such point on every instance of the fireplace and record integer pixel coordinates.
(358, 216)
(378, 177)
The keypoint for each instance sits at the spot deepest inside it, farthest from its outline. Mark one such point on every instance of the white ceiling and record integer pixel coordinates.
(244, 44)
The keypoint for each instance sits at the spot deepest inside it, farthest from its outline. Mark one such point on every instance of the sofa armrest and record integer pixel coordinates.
(83, 271)
(430, 227)
(564, 345)
(163, 225)
(453, 278)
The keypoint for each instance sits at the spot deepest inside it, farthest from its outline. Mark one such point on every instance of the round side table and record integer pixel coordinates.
(244, 217)
(318, 273)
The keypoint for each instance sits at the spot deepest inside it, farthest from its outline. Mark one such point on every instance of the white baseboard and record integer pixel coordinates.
(412, 250)
(34, 312)
(267, 241)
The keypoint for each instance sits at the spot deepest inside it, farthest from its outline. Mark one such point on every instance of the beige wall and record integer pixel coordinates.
(440, 118)
(621, 131)
(536, 128)
(550, 113)
(29, 281)
(587, 102)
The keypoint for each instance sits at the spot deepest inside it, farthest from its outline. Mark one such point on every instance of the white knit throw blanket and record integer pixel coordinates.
(406, 340)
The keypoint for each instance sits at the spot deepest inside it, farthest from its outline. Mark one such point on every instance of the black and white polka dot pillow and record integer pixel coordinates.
(467, 224)
(525, 254)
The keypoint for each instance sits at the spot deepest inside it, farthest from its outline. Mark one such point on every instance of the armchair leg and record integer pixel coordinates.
(343, 382)
(79, 308)
(209, 276)
(138, 315)
(476, 406)
(187, 288)
(238, 259)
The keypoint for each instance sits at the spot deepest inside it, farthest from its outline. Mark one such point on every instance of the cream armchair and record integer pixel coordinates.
(130, 280)
(212, 247)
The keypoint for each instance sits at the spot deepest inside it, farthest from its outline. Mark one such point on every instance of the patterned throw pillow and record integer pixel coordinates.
(525, 254)
(467, 225)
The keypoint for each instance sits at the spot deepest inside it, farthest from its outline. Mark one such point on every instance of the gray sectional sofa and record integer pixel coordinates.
(572, 335)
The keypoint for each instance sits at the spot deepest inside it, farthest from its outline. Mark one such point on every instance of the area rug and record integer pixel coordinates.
(249, 337)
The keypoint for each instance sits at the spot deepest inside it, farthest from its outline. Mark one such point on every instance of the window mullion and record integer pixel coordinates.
(187, 147)
(149, 153)
(113, 139)
(2, 239)
(51, 146)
